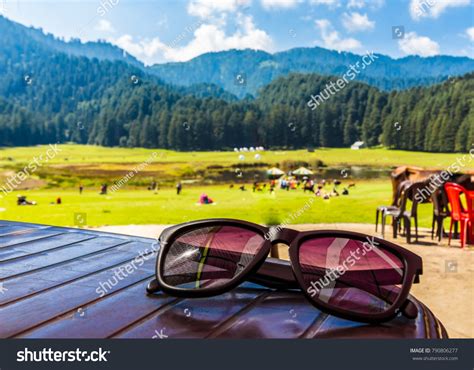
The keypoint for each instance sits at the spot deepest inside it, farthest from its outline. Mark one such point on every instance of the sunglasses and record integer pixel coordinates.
(346, 274)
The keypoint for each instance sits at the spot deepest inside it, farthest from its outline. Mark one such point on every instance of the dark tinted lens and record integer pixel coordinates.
(210, 256)
(352, 275)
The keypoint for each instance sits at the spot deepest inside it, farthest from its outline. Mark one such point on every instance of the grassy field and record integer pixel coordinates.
(126, 207)
(82, 154)
(92, 165)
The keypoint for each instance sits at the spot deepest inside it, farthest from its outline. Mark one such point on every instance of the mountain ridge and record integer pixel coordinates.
(260, 68)
(257, 68)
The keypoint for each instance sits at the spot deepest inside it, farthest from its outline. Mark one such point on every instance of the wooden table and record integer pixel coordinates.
(50, 280)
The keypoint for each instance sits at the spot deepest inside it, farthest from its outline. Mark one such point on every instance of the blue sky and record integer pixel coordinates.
(164, 31)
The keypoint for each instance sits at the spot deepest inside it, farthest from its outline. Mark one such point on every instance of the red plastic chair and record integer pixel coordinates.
(470, 211)
(458, 213)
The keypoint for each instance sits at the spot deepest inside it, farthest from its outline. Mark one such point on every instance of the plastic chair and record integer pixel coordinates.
(470, 209)
(458, 213)
(381, 210)
(402, 214)
(440, 212)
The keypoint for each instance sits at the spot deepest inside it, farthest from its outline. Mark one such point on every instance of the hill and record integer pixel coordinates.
(243, 72)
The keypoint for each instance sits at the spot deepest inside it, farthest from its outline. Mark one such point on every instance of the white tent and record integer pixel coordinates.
(302, 171)
(357, 145)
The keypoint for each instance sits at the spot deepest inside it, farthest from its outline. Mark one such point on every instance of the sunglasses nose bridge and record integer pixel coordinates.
(283, 236)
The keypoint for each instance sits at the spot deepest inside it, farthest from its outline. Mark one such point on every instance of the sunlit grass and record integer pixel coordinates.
(126, 206)
(83, 154)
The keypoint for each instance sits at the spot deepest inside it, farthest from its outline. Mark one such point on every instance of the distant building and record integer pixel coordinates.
(357, 145)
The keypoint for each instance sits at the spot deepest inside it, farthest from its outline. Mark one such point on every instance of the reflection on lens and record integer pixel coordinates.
(351, 275)
(211, 256)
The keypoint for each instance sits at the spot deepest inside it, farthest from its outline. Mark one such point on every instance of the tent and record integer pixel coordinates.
(274, 172)
(302, 171)
(358, 145)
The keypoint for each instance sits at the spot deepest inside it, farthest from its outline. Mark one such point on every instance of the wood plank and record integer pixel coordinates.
(40, 280)
(59, 255)
(31, 227)
(40, 244)
(192, 318)
(23, 224)
(15, 229)
(289, 313)
(30, 235)
(101, 319)
(31, 312)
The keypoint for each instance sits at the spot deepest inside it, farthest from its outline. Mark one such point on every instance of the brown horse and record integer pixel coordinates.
(421, 175)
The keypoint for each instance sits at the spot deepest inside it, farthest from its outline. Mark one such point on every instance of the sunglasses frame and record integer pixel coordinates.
(413, 265)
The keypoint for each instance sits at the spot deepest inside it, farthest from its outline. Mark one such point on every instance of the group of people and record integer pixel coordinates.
(103, 189)
(23, 201)
(318, 188)
(203, 198)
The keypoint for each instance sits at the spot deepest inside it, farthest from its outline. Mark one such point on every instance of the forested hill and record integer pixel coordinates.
(438, 118)
(243, 72)
(101, 50)
(51, 95)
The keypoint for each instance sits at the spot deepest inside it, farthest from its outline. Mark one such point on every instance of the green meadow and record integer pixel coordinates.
(126, 207)
(133, 204)
(87, 154)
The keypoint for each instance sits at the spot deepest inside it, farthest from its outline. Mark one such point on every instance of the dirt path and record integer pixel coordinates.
(447, 284)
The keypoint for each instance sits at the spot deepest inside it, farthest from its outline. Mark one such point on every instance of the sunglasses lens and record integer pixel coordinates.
(351, 275)
(208, 257)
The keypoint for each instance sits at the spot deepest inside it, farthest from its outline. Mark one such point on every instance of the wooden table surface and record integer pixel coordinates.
(75, 283)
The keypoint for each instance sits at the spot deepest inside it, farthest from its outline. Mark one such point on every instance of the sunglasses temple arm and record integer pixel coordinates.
(153, 287)
(409, 309)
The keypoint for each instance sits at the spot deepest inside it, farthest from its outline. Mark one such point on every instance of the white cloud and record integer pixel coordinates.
(470, 33)
(206, 8)
(104, 26)
(355, 22)
(330, 3)
(412, 44)
(469, 50)
(359, 4)
(433, 8)
(145, 50)
(206, 38)
(331, 38)
(272, 4)
(207, 35)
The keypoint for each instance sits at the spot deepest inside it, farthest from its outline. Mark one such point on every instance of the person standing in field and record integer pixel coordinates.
(153, 186)
(179, 187)
(81, 189)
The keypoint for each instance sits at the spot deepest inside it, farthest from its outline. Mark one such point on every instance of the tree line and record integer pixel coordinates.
(438, 118)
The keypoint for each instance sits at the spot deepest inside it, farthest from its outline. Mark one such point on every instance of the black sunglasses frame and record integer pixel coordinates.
(267, 271)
